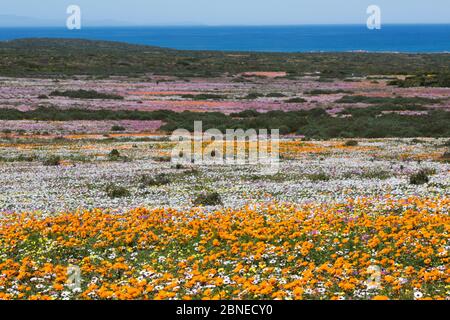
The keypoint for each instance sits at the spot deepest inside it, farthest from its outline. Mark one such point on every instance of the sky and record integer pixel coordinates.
(223, 12)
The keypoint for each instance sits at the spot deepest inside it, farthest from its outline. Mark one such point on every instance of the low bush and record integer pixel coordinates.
(377, 174)
(204, 96)
(316, 92)
(419, 178)
(158, 180)
(253, 95)
(52, 161)
(117, 128)
(321, 176)
(85, 94)
(434, 80)
(114, 155)
(208, 199)
(275, 95)
(114, 191)
(296, 100)
(387, 100)
(351, 143)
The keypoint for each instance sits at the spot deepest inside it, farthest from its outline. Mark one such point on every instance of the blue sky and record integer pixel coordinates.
(230, 12)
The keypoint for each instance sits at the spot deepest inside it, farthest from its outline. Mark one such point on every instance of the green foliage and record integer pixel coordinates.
(114, 191)
(419, 178)
(316, 123)
(208, 199)
(275, 95)
(317, 92)
(19, 158)
(351, 143)
(85, 94)
(253, 96)
(66, 57)
(114, 155)
(162, 159)
(296, 100)
(446, 156)
(377, 174)
(52, 161)
(387, 100)
(158, 180)
(204, 96)
(321, 176)
(250, 113)
(433, 80)
(117, 128)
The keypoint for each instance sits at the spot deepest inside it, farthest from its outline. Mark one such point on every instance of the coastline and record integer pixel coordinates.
(392, 38)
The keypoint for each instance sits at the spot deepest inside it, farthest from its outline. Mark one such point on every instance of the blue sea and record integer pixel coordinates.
(317, 38)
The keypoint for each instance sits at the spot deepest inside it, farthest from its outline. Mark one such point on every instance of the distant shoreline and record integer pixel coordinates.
(227, 26)
(392, 38)
(248, 52)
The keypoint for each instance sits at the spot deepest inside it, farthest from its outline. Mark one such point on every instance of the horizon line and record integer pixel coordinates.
(226, 25)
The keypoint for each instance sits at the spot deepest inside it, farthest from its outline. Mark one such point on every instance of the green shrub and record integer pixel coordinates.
(114, 191)
(158, 180)
(316, 92)
(114, 155)
(117, 128)
(316, 123)
(253, 95)
(275, 95)
(296, 100)
(162, 159)
(351, 143)
(52, 161)
(250, 113)
(204, 96)
(436, 80)
(446, 156)
(377, 174)
(208, 199)
(419, 178)
(321, 176)
(387, 100)
(85, 94)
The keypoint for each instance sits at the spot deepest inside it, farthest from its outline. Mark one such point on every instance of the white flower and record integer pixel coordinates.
(321, 290)
(418, 294)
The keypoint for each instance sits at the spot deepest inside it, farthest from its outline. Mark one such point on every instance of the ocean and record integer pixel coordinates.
(317, 38)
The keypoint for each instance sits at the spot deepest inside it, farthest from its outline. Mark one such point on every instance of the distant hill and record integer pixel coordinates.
(60, 57)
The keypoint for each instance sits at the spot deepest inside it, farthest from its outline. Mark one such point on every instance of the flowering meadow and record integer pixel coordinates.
(95, 209)
(274, 251)
(315, 230)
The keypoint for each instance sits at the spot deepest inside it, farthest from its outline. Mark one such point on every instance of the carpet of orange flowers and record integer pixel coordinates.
(276, 251)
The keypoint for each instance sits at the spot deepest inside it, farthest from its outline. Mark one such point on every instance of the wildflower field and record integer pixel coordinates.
(259, 252)
(323, 227)
(92, 207)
